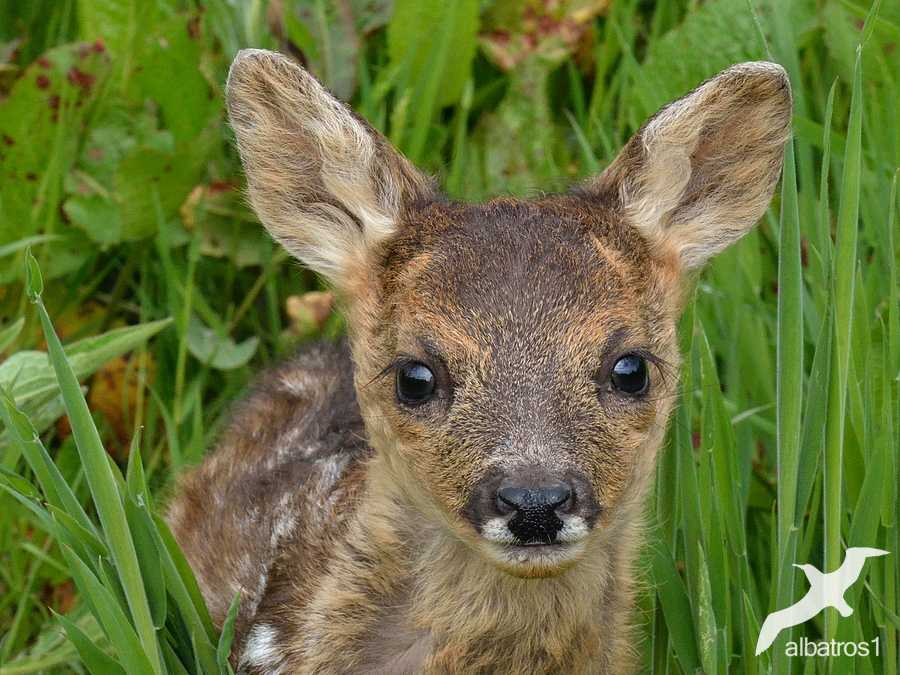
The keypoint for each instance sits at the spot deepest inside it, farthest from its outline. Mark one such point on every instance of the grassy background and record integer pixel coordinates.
(117, 169)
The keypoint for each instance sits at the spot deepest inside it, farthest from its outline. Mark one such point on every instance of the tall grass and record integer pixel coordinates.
(783, 448)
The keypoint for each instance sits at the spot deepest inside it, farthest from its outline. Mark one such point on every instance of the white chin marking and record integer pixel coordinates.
(497, 531)
(574, 530)
(537, 560)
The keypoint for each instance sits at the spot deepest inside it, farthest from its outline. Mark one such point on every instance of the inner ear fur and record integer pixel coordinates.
(325, 183)
(701, 172)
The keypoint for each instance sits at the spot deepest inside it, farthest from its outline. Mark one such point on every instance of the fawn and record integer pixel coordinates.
(459, 488)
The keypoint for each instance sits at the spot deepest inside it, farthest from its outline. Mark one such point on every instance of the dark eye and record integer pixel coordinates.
(415, 383)
(630, 375)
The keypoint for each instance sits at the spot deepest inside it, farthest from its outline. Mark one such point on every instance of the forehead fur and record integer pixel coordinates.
(566, 260)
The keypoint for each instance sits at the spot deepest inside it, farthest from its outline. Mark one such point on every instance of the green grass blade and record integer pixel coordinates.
(10, 333)
(823, 230)
(97, 661)
(115, 624)
(706, 618)
(843, 299)
(789, 385)
(675, 604)
(790, 349)
(19, 484)
(180, 581)
(718, 440)
(101, 480)
(31, 504)
(223, 652)
(891, 429)
(590, 165)
(140, 522)
(174, 666)
(91, 544)
(149, 546)
(867, 514)
(55, 488)
(815, 418)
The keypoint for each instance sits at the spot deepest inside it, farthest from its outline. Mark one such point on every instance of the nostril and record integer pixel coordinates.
(557, 495)
(550, 497)
(513, 497)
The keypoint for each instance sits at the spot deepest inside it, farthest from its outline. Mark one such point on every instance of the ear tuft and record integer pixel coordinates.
(701, 172)
(325, 184)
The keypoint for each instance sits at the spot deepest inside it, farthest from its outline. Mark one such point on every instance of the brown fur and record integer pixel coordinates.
(367, 534)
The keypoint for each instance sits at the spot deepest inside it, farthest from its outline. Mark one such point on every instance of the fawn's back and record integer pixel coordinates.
(459, 488)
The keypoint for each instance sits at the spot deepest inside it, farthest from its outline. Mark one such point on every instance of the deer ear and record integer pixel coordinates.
(325, 184)
(701, 172)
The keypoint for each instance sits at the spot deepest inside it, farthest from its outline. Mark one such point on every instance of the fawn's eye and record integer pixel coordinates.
(630, 375)
(415, 383)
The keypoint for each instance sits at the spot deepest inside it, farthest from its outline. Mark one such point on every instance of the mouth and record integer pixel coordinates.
(535, 559)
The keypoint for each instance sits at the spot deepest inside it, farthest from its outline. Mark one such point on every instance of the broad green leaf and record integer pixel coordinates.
(119, 128)
(147, 177)
(217, 351)
(227, 226)
(97, 215)
(718, 34)
(32, 379)
(40, 124)
(169, 73)
(123, 26)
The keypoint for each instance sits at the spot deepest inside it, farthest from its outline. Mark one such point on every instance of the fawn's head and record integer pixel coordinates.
(516, 361)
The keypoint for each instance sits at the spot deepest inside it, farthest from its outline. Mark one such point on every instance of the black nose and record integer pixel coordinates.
(536, 520)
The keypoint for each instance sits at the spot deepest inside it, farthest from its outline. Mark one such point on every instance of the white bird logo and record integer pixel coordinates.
(826, 590)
